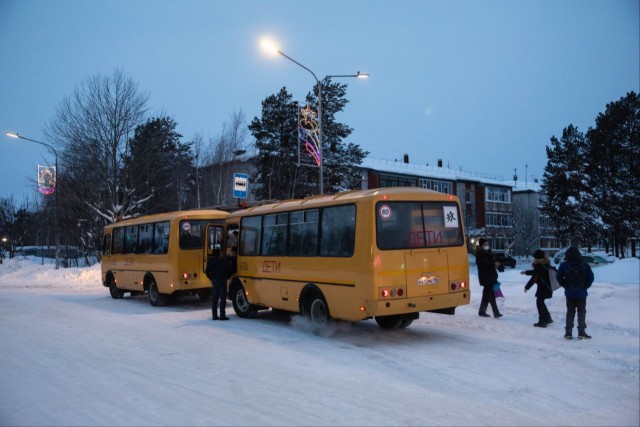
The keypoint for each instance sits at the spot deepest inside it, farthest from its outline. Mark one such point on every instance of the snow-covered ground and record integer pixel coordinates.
(71, 355)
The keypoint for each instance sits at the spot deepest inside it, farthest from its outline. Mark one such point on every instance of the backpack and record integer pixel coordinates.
(574, 277)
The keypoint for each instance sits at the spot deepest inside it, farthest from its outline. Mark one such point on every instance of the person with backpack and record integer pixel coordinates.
(540, 276)
(575, 277)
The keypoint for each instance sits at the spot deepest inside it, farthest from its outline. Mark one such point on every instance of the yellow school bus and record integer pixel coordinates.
(387, 254)
(161, 254)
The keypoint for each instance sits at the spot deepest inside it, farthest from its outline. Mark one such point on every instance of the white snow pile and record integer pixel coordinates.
(71, 355)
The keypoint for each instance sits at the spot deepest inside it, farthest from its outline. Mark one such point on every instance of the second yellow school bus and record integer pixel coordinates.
(387, 254)
(162, 254)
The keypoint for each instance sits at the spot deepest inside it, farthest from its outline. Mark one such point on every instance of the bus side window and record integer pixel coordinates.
(106, 245)
(338, 231)
(250, 231)
(131, 239)
(118, 240)
(144, 238)
(160, 238)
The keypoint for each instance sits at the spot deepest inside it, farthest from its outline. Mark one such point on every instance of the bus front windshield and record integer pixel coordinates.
(412, 225)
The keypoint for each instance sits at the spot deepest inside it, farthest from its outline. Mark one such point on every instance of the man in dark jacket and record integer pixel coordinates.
(487, 276)
(216, 271)
(540, 276)
(575, 277)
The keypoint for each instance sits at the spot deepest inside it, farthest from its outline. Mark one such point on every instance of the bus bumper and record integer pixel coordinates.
(412, 305)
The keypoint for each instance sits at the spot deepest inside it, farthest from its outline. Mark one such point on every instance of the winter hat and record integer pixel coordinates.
(482, 241)
(538, 254)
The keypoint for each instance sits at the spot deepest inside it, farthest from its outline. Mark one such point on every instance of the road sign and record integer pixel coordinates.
(240, 185)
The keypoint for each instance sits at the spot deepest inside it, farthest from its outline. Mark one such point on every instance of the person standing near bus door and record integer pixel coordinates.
(216, 271)
(488, 276)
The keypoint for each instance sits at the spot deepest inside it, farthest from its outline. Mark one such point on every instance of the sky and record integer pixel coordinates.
(72, 355)
(481, 85)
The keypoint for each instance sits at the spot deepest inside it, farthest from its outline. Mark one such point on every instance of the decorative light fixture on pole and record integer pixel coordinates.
(271, 47)
(55, 153)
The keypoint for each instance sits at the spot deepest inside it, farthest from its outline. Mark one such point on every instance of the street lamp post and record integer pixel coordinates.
(55, 153)
(271, 47)
(4, 240)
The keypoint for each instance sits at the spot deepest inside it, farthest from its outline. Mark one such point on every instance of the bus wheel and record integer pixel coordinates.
(115, 292)
(155, 297)
(241, 306)
(317, 310)
(391, 322)
(406, 323)
(204, 294)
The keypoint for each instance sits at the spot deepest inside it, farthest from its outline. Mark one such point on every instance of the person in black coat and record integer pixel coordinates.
(487, 276)
(217, 271)
(540, 276)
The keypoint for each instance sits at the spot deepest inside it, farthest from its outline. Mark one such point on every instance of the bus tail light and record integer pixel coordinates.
(388, 293)
(458, 286)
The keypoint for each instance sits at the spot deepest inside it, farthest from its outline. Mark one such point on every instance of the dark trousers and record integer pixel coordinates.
(219, 297)
(488, 297)
(579, 305)
(543, 312)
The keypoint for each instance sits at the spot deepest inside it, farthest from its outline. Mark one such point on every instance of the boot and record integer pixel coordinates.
(568, 334)
(483, 314)
(583, 335)
(540, 325)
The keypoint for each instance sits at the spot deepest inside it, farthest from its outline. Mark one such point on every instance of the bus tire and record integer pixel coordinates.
(406, 323)
(241, 306)
(156, 298)
(317, 310)
(116, 293)
(391, 322)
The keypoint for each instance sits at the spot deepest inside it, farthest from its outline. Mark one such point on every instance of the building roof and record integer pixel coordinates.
(429, 171)
(523, 186)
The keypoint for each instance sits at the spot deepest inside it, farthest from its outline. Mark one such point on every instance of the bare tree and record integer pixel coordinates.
(93, 126)
(222, 155)
(525, 224)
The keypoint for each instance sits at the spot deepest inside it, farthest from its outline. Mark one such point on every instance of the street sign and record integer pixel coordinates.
(240, 185)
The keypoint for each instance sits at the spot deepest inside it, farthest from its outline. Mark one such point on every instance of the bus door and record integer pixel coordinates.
(427, 272)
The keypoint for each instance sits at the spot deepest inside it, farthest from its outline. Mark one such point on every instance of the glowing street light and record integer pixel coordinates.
(55, 153)
(270, 47)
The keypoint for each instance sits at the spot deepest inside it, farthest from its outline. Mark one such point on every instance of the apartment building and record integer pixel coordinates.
(485, 199)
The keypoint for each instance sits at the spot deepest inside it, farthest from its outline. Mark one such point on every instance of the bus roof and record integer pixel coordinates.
(167, 216)
(390, 193)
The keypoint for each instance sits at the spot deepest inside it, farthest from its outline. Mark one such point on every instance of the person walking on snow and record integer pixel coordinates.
(487, 276)
(575, 277)
(540, 276)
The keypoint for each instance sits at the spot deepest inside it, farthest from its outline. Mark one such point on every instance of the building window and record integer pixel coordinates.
(544, 222)
(498, 195)
(499, 220)
(500, 244)
(435, 185)
(396, 181)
